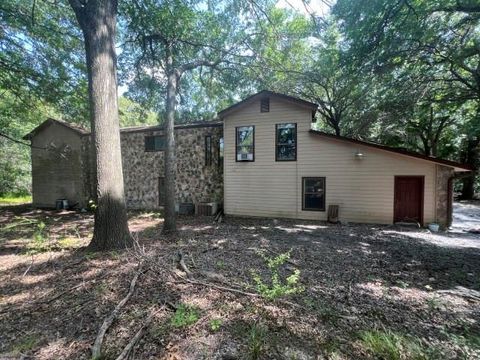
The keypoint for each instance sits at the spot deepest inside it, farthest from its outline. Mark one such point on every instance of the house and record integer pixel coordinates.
(63, 168)
(275, 165)
(262, 159)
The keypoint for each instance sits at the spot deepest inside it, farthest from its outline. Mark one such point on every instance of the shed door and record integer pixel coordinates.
(408, 199)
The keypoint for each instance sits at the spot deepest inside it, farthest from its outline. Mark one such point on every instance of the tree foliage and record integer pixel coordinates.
(401, 72)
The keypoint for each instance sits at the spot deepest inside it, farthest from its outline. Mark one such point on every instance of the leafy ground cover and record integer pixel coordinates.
(302, 290)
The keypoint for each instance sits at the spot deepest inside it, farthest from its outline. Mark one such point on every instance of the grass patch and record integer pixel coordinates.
(11, 199)
(392, 346)
(257, 339)
(25, 344)
(68, 242)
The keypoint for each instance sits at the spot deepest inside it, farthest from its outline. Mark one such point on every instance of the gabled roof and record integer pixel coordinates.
(79, 130)
(263, 94)
(454, 164)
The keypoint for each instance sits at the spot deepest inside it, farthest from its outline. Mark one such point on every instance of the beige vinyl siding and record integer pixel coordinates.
(364, 188)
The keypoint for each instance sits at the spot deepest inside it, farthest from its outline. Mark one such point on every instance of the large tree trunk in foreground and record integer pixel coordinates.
(97, 19)
(170, 222)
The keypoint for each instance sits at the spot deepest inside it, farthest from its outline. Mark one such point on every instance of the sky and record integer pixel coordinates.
(317, 7)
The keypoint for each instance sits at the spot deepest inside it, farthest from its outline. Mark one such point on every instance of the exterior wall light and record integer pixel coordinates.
(359, 155)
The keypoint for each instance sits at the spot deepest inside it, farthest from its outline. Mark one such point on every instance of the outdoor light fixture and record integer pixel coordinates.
(359, 155)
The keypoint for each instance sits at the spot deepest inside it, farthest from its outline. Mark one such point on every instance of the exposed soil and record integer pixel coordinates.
(356, 278)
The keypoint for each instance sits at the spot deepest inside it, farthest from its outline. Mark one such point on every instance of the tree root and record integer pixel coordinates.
(97, 346)
(182, 265)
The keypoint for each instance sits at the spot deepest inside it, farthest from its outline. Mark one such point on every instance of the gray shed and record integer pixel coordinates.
(58, 163)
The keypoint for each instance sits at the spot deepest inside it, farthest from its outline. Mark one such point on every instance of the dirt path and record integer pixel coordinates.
(466, 216)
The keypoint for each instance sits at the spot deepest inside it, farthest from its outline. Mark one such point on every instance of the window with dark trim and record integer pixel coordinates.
(245, 143)
(313, 193)
(220, 152)
(286, 142)
(208, 150)
(265, 105)
(155, 143)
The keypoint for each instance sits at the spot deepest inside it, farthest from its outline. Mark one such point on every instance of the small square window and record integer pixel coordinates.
(313, 193)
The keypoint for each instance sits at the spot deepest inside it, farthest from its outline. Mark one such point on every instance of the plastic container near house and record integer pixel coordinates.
(433, 227)
(61, 204)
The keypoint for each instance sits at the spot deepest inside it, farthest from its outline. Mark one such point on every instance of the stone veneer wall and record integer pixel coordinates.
(444, 173)
(195, 181)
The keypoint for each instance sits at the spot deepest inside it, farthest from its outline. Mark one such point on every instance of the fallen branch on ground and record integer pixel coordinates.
(97, 346)
(129, 347)
(462, 292)
(224, 288)
(29, 267)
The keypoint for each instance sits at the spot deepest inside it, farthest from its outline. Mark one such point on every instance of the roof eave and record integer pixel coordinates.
(457, 166)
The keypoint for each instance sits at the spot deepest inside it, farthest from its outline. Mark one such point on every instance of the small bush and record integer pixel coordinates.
(40, 240)
(184, 316)
(215, 324)
(277, 287)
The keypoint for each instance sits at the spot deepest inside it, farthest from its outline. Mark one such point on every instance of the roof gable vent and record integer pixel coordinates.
(265, 104)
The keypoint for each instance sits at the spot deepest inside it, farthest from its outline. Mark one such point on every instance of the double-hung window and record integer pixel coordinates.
(245, 143)
(220, 152)
(208, 150)
(286, 142)
(313, 193)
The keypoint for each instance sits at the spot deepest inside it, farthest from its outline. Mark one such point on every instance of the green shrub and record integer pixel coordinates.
(39, 242)
(215, 324)
(184, 316)
(276, 286)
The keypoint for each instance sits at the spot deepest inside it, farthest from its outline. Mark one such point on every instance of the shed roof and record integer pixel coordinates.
(263, 94)
(458, 166)
(78, 129)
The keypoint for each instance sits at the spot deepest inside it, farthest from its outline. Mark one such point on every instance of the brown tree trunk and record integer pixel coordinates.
(471, 158)
(97, 19)
(170, 223)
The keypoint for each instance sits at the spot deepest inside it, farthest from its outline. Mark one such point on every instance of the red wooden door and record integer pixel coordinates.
(408, 199)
